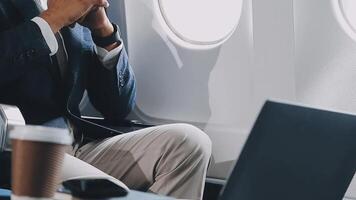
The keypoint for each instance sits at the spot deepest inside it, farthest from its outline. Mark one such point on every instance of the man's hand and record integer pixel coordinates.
(62, 13)
(99, 24)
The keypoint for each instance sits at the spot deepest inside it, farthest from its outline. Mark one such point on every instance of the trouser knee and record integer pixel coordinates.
(189, 141)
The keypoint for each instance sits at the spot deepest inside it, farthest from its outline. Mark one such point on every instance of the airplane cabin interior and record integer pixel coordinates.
(226, 100)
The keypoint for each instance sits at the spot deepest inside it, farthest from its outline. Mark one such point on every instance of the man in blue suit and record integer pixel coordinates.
(51, 52)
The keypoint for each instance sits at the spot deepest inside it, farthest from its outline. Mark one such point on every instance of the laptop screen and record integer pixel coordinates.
(295, 153)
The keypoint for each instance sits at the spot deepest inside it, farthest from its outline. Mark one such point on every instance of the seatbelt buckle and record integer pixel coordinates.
(9, 116)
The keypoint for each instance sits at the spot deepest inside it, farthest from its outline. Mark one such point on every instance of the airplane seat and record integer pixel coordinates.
(88, 120)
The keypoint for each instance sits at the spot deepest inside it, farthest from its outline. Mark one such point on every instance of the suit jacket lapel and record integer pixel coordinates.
(28, 8)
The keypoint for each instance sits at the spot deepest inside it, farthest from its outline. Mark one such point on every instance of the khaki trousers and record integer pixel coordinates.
(169, 160)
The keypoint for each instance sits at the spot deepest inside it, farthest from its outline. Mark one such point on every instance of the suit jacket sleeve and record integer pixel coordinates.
(18, 46)
(112, 91)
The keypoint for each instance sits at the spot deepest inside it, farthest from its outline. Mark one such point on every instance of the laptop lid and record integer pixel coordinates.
(295, 153)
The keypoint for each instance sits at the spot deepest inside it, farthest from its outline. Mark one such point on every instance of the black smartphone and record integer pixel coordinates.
(93, 188)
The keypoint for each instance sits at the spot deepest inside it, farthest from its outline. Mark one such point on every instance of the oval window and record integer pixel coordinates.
(348, 8)
(345, 13)
(201, 22)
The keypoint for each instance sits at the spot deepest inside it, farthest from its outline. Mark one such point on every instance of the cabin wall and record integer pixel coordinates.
(219, 89)
(284, 49)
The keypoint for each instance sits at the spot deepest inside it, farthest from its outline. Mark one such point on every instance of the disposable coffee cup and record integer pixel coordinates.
(37, 159)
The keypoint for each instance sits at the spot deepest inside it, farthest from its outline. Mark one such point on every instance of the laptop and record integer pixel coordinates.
(295, 153)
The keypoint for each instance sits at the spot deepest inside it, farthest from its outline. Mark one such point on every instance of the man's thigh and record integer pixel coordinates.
(138, 158)
(128, 157)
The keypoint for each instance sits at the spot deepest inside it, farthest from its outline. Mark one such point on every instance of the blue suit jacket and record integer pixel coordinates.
(27, 78)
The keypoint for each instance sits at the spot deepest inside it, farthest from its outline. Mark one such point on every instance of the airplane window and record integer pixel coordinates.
(348, 8)
(201, 22)
(345, 13)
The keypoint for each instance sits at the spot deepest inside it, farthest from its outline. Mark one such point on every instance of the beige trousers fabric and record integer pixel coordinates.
(169, 160)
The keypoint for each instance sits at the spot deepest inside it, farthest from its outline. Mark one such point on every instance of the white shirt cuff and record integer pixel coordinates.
(108, 58)
(48, 34)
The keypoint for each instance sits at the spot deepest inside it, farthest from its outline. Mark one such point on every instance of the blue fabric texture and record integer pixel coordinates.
(5, 193)
(133, 195)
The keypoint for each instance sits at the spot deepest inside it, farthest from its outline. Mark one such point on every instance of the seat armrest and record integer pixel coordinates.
(99, 128)
(123, 123)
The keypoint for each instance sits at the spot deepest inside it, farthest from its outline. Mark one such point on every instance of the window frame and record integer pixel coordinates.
(185, 41)
(343, 19)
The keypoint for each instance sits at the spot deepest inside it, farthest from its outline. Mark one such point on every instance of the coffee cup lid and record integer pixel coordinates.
(41, 134)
